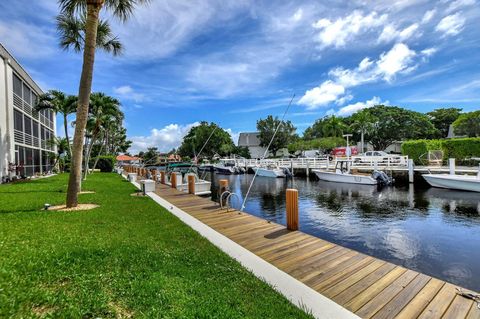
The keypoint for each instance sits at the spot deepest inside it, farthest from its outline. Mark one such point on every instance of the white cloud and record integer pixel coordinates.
(341, 31)
(26, 40)
(164, 138)
(399, 60)
(353, 108)
(390, 33)
(455, 5)
(322, 95)
(128, 93)
(233, 135)
(428, 16)
(451, 25)
(429, 52)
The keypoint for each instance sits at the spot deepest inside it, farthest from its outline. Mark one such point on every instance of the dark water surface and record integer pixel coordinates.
(434, 231)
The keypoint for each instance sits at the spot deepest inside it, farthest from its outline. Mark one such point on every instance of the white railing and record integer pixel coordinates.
(392, 161)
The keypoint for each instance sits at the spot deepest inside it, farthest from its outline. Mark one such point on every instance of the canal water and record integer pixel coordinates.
(434, 231)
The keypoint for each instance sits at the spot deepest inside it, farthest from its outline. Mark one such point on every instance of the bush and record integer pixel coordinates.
(459, 148)
(324, 143)
(106, 163)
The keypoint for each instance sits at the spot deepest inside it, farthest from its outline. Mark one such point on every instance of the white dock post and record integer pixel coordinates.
(308, 170)
(328, 162)
(451, 165)
(410, 171)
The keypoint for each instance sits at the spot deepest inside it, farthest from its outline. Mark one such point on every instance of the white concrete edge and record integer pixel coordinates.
(295, 291)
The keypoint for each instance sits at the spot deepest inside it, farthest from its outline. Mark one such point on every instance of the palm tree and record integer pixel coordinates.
(61, 145)
(82, 33)
(334, 127)
(363, 123)
(59, 102)
(103, 110)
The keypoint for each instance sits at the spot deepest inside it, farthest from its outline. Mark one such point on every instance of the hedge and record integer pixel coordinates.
(459, 148)
(106, 163)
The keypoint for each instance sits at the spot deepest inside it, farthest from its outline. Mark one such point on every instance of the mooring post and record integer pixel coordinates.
(308, 168)
(292, 209)
(173, 180)
(410, 171)
(191, 184)
(223, 188)
(154, 173)
(451, 165)
(162, 177)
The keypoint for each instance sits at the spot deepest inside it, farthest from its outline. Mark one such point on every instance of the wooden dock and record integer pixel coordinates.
(367, 286)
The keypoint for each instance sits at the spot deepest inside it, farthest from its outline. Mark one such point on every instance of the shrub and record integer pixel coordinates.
(106, 163)
(459, 148)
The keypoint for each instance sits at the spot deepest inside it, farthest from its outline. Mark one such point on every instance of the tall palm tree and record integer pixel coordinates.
(59, 102)
(61, 145)
(363, 123)
(334, 127)
(87, 38)
(102, 110)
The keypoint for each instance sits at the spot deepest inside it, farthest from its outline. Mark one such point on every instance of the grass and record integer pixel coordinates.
(127, 258)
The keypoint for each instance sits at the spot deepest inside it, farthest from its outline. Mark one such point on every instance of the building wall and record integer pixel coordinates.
(23, 132)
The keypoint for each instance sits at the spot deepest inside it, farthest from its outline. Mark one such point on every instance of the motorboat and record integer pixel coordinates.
(269, 171)
(223, 169)
(344, 174)
(460, 182)
(182, 171)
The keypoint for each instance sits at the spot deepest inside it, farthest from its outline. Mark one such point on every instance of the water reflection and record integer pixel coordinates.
(434, 231)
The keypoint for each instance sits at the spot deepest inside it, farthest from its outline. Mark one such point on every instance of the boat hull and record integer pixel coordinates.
(275, 173)
(345, 178)
(461, 182)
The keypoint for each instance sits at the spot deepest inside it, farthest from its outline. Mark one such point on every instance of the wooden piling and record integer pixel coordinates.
(410, 171)
(223, 188)
(162, 177)
(191, 184)
(292, 209)
(154, 175)
(173, 180)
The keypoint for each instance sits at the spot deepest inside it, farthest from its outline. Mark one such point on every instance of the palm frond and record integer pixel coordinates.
(71, 31)
(123, 9)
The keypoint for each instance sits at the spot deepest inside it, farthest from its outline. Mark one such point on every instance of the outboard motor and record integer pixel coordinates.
(382, 178)
(287, 172)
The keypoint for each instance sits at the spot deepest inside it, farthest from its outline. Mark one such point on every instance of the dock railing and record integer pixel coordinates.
(393, 161)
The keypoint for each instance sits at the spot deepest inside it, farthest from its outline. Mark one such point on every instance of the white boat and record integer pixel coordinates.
(343, 174)
(461, 182)
(269, 171)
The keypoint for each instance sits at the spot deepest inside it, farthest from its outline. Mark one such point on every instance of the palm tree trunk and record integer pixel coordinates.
(87, 157)
(85, 88)
(65, 126)
(98, 156)
(362, 142)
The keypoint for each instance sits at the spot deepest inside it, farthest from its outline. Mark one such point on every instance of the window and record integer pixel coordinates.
(42, 133)
(17, 85)
(27, 95)
(35, 128)
(18, 121)
(28, 125)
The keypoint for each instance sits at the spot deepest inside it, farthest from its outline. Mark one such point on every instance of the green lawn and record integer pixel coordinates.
(127, 258)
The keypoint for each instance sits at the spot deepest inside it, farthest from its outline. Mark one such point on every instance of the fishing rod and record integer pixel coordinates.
(205, 144)
(266, 152)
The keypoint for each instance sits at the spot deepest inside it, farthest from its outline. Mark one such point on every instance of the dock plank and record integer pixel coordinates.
(367, 286)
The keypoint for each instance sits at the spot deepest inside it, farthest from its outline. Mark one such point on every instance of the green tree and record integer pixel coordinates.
(363, 123)
(316, 130)
(334, 126)
(104, 114)
(395, 124)
(86, 13)
(468, 124)
(285, 134)
(150, 156)
(442, 119)
(59, 102)
(220, 141)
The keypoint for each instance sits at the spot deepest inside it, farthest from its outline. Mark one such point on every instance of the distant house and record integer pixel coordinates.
(128, 160)
(164, 158)
(251, 140)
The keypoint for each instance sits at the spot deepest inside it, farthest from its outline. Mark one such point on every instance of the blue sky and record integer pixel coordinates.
(233, 62)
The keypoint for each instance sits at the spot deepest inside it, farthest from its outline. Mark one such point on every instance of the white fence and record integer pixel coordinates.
(324, 162)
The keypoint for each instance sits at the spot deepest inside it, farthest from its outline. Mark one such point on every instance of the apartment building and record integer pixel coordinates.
(24, 133)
